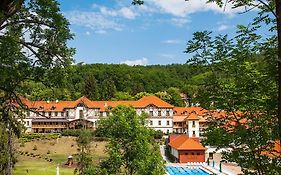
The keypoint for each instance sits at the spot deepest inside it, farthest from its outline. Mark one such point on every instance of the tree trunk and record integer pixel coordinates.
(278, 13)
(10, 153)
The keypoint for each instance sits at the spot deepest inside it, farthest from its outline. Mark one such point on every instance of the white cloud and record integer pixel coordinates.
(92, 20)
(127, 13)
(180, 21)
(172, 41)
(142, 62)
(223, 27)
(182, 8)
(88, 33)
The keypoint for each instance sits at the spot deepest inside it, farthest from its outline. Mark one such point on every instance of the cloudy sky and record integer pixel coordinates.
(114, 31)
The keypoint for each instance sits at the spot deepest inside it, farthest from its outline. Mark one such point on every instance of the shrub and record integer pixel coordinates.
(48, 152)
(34, 147)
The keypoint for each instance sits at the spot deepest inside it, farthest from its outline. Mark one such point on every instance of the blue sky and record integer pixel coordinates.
(114, 31)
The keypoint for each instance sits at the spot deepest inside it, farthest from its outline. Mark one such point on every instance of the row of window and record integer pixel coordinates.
(160, 122)
(151, 113)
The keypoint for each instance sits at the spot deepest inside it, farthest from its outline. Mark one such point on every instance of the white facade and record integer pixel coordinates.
(159, 118)
(193, 128)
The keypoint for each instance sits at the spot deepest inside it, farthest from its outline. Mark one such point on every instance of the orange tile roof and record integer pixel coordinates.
(148, 100)
(193, 116)
(179, 118)
(183, 142)
(185, 110)
(102, 105)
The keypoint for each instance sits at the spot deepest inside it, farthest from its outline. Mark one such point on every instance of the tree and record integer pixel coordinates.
(108, 89)
(131, 147)
(33, 36)
(122, 96)
(243, 85)
(274, 8)
(84, 158)
(90, 89)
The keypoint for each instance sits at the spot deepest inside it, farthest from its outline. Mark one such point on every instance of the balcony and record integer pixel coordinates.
(48, 126)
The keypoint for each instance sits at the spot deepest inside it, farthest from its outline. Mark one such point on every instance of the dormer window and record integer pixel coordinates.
(81, 105)
(53, 107)
(151, 113)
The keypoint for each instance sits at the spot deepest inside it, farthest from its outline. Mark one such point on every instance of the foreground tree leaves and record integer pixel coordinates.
(33, 36)
(131, 147)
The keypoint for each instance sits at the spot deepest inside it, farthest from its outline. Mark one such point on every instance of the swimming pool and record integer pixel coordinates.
(174, 170)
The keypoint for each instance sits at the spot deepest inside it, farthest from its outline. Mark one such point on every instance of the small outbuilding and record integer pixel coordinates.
(186, 149)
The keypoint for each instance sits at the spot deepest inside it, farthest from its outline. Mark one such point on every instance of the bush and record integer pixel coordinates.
(48, 152)
(34, 147)
(74, 133)
(27, 137)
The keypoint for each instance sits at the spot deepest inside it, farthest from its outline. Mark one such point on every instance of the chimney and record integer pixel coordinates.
(48, 101)
(57, 100)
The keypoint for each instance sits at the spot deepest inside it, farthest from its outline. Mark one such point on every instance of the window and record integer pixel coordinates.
(67, 113)
(151, 113)
(151, 122)
(80, 113)
(159, 122)
(159, 113)
(192, 153)
(101, 114)
(50, 114)
(198, 154)
(56, 113)
(167, 113)
(193, 133)
(168, 122)
(193, 124)
(62, 114)
(27, 123)
(43, 113)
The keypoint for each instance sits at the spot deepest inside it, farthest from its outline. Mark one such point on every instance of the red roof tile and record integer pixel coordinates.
(183, 142)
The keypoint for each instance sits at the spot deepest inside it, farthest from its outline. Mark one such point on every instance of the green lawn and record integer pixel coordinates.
(58, 150)
(39, 167)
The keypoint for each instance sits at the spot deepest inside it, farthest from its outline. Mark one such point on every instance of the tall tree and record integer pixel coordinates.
(33, 36)
(84, 158)
(241, 83)
(108, 89)
(90, 88)
(131, 149)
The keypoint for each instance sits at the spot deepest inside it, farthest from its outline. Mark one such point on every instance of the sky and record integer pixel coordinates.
(116, 32)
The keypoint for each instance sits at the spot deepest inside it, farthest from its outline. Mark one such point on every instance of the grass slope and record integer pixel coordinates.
(58, 150)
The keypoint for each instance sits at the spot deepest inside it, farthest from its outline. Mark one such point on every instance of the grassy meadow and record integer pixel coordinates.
(41, 157)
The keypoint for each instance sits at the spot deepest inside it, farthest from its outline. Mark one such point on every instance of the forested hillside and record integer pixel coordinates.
(107, 81)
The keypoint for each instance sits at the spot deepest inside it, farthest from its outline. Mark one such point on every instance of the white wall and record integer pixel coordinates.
(191, 128)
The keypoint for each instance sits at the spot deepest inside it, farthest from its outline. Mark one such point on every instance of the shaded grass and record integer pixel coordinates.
(39, 167)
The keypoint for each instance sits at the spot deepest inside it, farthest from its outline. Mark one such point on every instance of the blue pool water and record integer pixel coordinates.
(185, 171)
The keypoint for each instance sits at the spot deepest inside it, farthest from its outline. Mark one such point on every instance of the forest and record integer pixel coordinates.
(119, 82)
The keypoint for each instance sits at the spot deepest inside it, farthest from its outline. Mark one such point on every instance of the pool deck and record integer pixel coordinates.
(204, 166)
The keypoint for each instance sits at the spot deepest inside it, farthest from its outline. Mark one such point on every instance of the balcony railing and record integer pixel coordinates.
(48, 126)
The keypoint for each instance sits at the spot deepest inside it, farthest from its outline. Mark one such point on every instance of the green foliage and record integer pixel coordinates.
(131, 148)
(84, 158)
(122, 96)
(241, 81)
(90, 88)
(27, 137)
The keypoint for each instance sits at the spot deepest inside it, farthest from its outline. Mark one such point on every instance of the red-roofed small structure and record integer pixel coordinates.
(186, 149)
